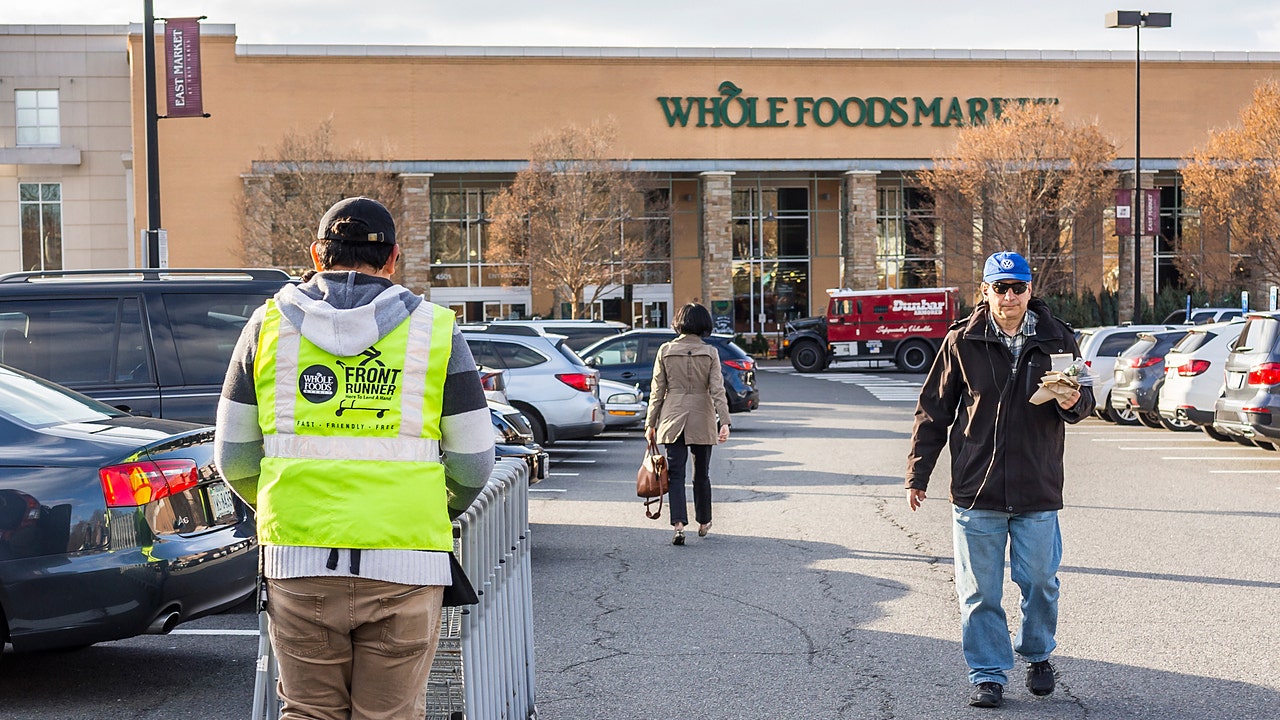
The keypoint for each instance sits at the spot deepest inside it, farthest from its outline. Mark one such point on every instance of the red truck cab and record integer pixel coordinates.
(905, 327)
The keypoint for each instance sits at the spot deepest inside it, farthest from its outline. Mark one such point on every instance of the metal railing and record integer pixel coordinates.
(483, 668)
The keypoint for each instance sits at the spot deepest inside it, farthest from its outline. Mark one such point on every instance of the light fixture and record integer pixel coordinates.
(770, 217)
(1137, 19)
(483, 219)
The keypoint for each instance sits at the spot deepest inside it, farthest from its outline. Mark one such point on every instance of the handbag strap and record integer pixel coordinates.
(653, 514)
(653, 448)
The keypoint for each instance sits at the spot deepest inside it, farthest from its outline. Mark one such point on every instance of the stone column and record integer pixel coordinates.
(717, 239)
(860, 230)
(413, 232)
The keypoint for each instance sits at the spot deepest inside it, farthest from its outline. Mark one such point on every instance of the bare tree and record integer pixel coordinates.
(1235, 181)
(280, 212)
(571, 217)
(1026, 181)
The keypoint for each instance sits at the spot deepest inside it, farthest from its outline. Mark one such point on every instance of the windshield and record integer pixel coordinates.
(37, 403)
(1258, 334)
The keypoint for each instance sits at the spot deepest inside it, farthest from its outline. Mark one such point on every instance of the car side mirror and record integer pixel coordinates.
(591, 361)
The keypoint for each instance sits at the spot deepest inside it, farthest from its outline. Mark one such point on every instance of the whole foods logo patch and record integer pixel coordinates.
(318, 384)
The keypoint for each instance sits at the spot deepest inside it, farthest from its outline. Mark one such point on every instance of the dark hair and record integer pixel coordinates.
(334, 253)
(692, 319)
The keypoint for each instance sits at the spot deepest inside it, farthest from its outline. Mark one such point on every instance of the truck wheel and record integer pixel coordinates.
(807, 357)
(914, 357)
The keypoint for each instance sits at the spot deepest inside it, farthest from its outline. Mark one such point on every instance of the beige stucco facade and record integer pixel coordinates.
(89, 160)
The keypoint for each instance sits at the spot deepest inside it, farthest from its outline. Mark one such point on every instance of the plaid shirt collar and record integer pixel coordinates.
(1018, 340)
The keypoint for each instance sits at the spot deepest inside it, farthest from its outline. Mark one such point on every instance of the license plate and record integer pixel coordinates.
(220, 500)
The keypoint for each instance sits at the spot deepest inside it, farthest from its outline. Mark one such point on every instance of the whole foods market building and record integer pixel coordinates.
(787, 172)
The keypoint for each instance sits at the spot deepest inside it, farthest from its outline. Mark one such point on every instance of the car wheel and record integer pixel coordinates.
(1151, 420)
(1177, 424)
(914, 357)
(1126, 416)
(1215, 433)
(807, 357)
(536, 424)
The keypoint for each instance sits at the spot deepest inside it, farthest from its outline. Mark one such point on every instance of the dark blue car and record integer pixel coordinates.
(111, 525)
(628, 358)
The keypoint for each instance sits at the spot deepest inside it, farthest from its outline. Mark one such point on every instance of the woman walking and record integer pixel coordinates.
(688, 413)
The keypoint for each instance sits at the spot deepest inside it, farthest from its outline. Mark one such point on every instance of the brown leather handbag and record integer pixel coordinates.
(651, 480)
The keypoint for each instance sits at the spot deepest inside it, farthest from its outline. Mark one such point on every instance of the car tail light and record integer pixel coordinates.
(746, 364)
(1193, 368)
(138, 483)
(578, 381)
(1140, 362)
(1265, 374)
(492, 381)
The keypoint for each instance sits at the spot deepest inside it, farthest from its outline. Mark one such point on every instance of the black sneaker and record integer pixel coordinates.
(1040, 678)
(987, 695)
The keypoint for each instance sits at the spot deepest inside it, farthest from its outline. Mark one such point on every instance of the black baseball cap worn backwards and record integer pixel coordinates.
(358, 219)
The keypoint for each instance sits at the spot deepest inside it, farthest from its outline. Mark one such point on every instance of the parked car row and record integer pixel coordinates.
(1221, 377)
(114, 520)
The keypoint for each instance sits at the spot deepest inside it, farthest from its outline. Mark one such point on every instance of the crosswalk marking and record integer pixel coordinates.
(882, 388)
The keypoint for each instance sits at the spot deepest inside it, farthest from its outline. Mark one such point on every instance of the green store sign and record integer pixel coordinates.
(733, 109)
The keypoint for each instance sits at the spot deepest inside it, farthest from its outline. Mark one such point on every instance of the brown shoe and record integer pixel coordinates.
(703, 529)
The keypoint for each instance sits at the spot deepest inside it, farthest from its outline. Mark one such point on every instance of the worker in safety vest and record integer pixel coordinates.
(353, 419)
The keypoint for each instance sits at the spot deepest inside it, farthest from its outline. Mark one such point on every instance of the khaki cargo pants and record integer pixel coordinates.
(353, 648)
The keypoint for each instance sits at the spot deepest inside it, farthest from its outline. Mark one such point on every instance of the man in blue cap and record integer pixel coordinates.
(1006, 471)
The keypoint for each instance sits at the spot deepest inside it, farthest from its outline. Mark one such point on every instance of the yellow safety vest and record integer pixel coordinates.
(352, 444)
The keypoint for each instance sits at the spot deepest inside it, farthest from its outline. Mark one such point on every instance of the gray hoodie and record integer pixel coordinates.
(344, 313)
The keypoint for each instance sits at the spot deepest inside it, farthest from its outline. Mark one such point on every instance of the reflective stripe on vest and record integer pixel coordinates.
(352, 443)
(328, 447)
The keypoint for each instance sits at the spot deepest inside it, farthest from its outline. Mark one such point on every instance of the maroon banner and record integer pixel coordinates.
(182, 53)
(1124, 213)
(1150, 212)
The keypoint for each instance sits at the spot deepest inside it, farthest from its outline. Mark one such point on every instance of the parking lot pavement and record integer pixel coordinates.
(900, 389)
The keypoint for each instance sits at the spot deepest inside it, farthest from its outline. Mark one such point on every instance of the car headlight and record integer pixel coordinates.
(622, 399)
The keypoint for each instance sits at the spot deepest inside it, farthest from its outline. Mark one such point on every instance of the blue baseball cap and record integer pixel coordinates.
(1006, 265)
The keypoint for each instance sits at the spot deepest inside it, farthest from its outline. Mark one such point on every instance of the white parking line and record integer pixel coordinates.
(592, 441)
(197, 631)
(1185, 441)
(1196, 449)
(556, 474)
(1246, 472)
(577, 460)
(551, 490)
(555, 451)
(1218, 457)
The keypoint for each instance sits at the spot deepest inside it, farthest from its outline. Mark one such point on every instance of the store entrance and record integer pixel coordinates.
(771, 229)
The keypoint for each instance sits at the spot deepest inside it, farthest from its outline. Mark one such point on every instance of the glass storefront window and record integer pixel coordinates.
(460, 238)
(771, 244)
(907, 241)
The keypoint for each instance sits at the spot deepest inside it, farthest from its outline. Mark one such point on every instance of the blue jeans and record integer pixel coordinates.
(1035, 552)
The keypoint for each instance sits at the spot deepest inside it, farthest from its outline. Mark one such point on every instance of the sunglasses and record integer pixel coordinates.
(1001, 288)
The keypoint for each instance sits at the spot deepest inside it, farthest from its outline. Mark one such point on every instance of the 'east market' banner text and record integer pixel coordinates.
(182, 60)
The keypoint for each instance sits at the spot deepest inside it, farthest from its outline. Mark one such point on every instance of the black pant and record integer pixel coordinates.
(677, 455)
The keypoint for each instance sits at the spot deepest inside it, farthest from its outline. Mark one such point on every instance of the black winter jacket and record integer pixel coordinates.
(1006, 453)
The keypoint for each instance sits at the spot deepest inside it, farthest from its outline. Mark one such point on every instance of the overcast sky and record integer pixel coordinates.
(999, 24)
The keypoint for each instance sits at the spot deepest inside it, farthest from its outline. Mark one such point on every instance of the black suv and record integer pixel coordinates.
(151, 342)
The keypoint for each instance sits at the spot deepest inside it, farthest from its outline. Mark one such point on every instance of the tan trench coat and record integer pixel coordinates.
(687, 393)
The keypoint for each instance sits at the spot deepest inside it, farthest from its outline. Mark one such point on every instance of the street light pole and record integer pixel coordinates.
(1137, 19)
(151, 249)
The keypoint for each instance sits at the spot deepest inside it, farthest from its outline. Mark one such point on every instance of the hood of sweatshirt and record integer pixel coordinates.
(344, 313)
